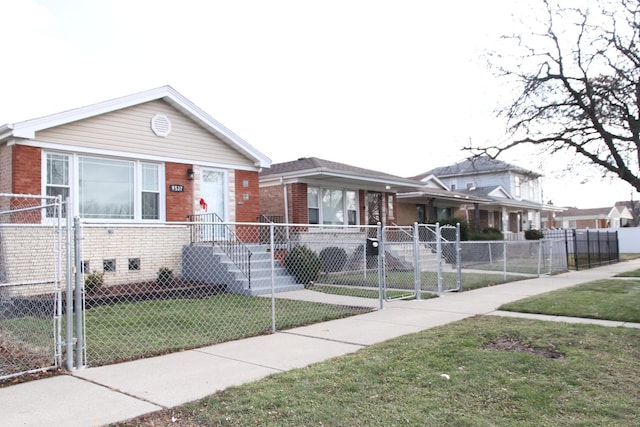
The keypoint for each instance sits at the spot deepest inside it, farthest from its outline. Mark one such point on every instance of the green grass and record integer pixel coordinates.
(632, 273)
(365, 293)
(627, 256)
(602, 299)
(133, 330)
(593, 382)
(428, 280)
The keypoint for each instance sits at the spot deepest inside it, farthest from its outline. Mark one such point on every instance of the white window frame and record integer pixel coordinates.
(345, 205)
(74, 191)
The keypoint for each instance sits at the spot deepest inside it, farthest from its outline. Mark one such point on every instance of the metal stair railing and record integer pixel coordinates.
(210, 228)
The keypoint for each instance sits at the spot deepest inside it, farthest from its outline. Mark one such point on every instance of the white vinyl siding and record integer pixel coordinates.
(129, 131)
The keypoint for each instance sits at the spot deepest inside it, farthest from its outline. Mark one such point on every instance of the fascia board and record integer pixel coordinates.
(452, 197)
(322, 172)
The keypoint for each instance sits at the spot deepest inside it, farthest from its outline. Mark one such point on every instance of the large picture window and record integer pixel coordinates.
(106, 188)
(332, 206)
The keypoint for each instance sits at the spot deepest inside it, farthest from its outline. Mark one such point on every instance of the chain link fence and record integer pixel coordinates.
(149, 289)
(31, 248)
(519, 257)
(155, 289)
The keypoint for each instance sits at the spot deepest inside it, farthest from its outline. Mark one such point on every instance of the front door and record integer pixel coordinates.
(213, 192)
(374, 207)
(421, 216)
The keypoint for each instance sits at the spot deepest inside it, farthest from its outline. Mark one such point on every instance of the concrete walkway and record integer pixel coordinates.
(108, 394)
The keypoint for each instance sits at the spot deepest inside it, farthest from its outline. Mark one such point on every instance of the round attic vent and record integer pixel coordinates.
(161, 125)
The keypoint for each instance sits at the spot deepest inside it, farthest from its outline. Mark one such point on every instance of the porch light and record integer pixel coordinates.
(190, 174)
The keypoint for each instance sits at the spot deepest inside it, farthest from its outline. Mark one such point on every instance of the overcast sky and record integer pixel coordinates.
(396, 86)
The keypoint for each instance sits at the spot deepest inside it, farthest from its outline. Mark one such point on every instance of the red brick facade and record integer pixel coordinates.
(178, 204)
(26, 176)
(298, 207)
(272, 201)
(247, 196)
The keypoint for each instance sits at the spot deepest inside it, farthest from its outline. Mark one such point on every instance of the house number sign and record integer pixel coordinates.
(176, 188)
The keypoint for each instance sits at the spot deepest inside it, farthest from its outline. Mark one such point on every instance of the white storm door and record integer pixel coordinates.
(213, 190)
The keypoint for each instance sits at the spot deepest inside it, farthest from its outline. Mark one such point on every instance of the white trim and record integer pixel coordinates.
(345, 211)
(74, 188)
(69, 149)
(226, 206)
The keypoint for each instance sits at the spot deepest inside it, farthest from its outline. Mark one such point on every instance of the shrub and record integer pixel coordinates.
(533, 234)
(165, 276)
(464, 227)
(333, 259)
(93, 281)
(303, 264)
(487, 233)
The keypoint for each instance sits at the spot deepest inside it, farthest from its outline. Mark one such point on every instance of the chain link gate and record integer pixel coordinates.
(420, 258)
(31, 307)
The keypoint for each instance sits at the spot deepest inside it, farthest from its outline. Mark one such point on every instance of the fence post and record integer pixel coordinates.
(575, 248)
(588, 249)
(79, 306)
(458, 259)
(416, 261)
(504, 260)
(69, 295)
(539, 255)
(381, 261)
(273, 277)
(58, 279)
(439, 256)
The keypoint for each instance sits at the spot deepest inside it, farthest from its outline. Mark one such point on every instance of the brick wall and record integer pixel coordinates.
(247, 196)
(178, 204)
(298, 208)
(272, 201)
(155, 247)
(26, 175)
(5, 168)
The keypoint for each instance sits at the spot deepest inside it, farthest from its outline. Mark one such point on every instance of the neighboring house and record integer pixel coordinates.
(433, 201)
(316, 191)
(514, 194)
(147, 157)
(633, 207)
(594, 218)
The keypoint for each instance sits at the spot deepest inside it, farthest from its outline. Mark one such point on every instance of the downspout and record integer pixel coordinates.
(286, 207)
(476, 210)
(286, 201)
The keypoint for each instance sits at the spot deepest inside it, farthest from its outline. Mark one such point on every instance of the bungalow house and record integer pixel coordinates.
(513, 195)
(148, 157)
(129, 168)
(633, 207)
(594, 218)
(317, 191)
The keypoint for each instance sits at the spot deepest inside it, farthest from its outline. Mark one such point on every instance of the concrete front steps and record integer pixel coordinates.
(209, 264)
(427, 259)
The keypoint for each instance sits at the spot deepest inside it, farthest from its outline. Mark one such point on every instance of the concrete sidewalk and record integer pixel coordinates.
(108, 394)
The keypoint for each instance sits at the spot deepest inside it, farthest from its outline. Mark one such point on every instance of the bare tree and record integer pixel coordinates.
(577, 85)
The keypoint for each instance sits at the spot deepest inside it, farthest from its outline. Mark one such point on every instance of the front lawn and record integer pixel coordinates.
(611, 299)
(482, 371)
